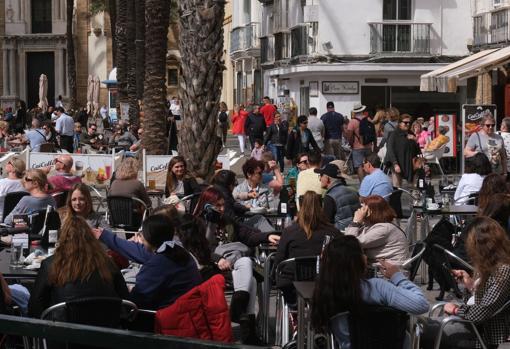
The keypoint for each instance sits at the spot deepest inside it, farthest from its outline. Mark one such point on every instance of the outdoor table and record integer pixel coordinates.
(12, 272)
(304, 290)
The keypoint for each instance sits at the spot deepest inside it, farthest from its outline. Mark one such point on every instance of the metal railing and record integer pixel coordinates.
(400, 37)
(304, 39)
(245, 38)
(499, 27)
(267, 49)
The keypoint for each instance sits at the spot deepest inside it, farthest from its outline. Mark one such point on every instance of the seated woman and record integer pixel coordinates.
(225, 181)
(303, 238)
(379, 237)
(492, 184)
(168, 270)
(488, 247)
(15, 169)
(126, 182)
(251, 192)
(342, 286)
(79, 202)
(230, 244)
(178, 180)
(272, 175)
(36, 183)
(300, 164)
(476, 168)
(79, 268)
(498, 208)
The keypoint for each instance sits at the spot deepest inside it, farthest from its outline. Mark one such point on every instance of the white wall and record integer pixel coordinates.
(349, 32)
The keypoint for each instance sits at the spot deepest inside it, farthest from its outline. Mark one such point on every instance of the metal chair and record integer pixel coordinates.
(11, 200)
(60, 198)
(42, 222)
(305, 269)
(97, 198)
(453, 319)
(413, 263)
(448, 282)
(126, 213)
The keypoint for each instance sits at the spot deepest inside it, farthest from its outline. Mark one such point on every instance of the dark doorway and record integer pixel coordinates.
(40, 63)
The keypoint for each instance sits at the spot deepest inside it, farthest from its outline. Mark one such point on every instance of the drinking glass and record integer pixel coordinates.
(152, 184)
(16, 250)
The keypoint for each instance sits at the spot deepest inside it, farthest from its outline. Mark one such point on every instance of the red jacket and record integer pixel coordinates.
(200, 313)
(268, 110)
(238, 120)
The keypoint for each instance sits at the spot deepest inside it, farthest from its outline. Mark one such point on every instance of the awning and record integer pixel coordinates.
(445, 79)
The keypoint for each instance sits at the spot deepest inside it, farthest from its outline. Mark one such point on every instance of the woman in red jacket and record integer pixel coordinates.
(238, 119)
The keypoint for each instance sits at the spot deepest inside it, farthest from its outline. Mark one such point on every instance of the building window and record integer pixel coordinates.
(479, 31)
(173, 77)
(397, 9)
(499, 27)
(497, 3)
(41, 16)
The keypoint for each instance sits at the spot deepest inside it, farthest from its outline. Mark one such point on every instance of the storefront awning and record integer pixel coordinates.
(445, 79)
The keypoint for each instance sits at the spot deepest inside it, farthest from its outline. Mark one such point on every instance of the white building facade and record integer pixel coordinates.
(314, 51)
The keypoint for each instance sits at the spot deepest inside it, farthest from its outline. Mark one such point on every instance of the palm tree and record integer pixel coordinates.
(122, 51)
(157, 14)
(201, 47)
(71, 58)
(131, 63)
(140, 47)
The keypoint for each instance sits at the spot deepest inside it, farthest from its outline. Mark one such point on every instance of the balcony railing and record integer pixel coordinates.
(304, 39)
(245, 38)
(400, 37)
(267, 50)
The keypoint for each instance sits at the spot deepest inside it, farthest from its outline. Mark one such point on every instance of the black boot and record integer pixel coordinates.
(238, 305)
(248, 326)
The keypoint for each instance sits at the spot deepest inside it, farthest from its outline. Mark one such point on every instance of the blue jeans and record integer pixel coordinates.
(277, 151)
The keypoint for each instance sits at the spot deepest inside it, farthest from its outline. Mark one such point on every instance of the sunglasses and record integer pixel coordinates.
(27, 179)
(93, 129)
(303, 162)
(406, 122)
(490, 125)
(57, 160)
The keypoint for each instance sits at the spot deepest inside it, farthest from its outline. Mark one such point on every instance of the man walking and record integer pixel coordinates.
(276, 139)
(65, 128)
(255, 125)
(361, 136)
(268, 110)
(333, 126)
(316, 126)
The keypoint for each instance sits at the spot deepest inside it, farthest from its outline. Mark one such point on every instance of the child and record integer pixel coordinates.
(258, 149)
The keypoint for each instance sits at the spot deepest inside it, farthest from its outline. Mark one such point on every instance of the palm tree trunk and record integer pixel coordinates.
(131, 64)
(157, 15)
(201, 47)
(122, 52)
(112, 11)
(140, 47)
(71, 58)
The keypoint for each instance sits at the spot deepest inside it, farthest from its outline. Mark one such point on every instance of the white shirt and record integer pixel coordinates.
(65, 125)
(469, 183)
(316, 126)
(175, 109)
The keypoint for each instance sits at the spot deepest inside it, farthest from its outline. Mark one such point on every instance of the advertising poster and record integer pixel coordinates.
(472, 115)
(448, 123)
(156, 167)
(95, 169)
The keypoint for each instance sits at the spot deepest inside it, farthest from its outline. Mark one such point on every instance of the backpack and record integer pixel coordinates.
(367, 131)
(223, 117)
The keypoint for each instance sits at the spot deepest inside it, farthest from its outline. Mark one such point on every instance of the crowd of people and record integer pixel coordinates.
(353, 231)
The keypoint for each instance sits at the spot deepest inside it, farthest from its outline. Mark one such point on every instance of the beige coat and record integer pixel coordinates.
(381, 240)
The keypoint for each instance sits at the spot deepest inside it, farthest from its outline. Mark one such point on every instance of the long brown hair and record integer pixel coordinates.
(171, 181)
(84, 190)
(310, 215)
(78, 254)
(492, 184)
(488, 246)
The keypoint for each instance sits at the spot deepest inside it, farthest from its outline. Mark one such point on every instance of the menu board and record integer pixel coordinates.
(448, 122)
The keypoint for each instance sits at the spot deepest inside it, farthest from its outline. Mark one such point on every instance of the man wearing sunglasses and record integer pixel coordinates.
(63, 180)
(488, 142)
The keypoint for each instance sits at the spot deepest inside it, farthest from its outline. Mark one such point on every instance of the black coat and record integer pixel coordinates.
(277, 135)
(45, 294)
(255, 125)
(295, 147)
(402, 150)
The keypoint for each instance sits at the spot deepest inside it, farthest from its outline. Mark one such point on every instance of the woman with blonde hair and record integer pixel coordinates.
(15, 169)
(36, 183)
(126, 182)
(305, 237)
(79, 268)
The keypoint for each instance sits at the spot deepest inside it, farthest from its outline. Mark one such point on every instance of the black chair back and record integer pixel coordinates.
(374, 327)
(52, 223)
(395, 202)
(60, 198)
(11, 200)
(96, 311)
(305, 268)
(377, 327)
(124, 213)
